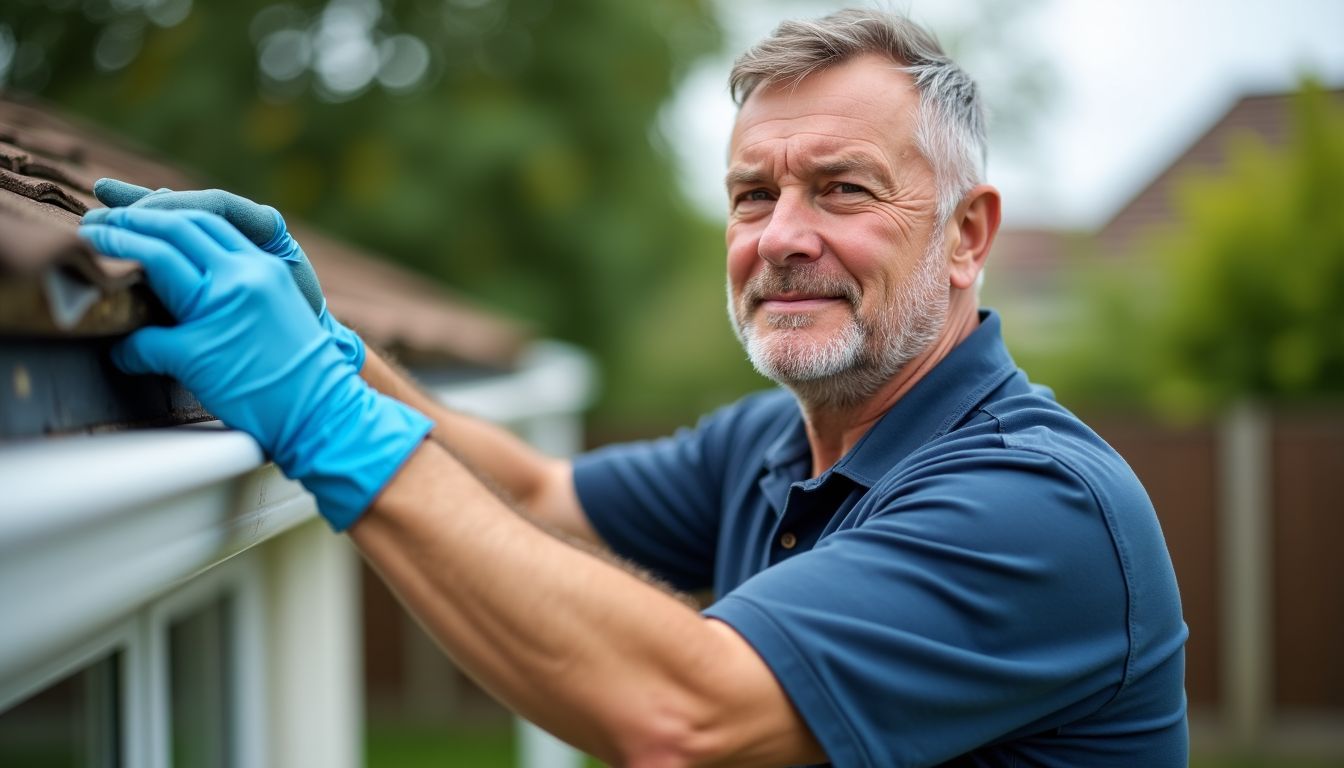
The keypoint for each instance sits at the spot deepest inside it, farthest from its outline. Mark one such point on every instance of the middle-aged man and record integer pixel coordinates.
(918, 558)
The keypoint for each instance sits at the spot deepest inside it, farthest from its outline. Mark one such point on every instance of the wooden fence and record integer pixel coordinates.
(1253, 512)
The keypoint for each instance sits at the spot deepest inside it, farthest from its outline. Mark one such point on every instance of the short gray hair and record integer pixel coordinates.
(951, 127)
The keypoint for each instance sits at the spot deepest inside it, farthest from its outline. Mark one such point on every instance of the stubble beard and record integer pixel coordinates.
(851, 365)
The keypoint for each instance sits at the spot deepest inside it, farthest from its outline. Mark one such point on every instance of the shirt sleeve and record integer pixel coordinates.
(981, 598)
(659, 503)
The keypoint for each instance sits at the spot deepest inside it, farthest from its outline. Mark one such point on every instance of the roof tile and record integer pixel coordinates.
(48, 164)
(62, 304)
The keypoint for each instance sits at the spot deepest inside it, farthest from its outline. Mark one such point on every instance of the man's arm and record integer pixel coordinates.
(585, 650)
(541, 486)
(578, 645)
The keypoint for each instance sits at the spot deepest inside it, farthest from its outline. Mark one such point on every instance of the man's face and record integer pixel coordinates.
(836, 278)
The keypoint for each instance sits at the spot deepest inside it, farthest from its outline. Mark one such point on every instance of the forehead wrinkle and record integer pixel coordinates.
(852, 155)
(844, 164)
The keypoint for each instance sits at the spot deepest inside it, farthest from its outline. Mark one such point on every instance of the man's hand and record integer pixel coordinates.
(261, 224)
(249, 347)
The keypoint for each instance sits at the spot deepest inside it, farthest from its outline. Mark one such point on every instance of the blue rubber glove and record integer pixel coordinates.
(262, 224)
(248, 345)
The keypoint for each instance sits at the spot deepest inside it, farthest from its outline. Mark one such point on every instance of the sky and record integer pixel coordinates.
(1131, 85)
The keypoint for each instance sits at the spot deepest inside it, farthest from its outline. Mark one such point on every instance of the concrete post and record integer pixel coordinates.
(1245, 556)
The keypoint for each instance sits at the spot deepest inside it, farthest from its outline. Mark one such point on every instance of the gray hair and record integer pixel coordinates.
(951, 127)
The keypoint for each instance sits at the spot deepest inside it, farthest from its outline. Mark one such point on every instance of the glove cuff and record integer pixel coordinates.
(343, 441)
(350, 464)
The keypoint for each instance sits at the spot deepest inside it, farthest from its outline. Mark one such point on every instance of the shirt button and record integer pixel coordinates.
(788, 541)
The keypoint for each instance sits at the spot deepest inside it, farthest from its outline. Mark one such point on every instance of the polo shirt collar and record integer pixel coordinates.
(939, 401)
(791, 445)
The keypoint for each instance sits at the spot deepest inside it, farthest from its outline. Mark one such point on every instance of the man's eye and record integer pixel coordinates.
(755, 196)
(848, 188)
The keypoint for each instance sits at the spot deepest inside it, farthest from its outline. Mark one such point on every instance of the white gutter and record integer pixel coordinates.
(76, 480)
(93, 527)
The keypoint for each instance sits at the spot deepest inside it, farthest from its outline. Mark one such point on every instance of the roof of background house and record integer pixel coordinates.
(1031, 260)
(61, 304)
(1030, 253)
(1268, 117)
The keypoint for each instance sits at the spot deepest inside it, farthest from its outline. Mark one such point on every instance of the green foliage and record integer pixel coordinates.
(1243, 295)
(680, 356)
(1257, 292)
(394, 745)
(1107, 355)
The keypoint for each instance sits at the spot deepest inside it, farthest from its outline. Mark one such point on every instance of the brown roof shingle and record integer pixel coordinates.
(1268, 117)
(47, 168)
(62, 304)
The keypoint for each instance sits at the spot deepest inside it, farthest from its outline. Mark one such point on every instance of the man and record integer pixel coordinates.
(918, 558)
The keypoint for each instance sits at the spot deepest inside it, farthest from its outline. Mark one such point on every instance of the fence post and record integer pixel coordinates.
(1245, 567)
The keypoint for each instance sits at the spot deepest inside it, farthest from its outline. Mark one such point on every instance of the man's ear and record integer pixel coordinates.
(977, 221)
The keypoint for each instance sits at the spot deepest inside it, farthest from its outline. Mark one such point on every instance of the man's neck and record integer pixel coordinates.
(832, 431)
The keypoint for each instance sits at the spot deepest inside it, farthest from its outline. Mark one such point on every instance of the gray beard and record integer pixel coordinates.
(853, 364)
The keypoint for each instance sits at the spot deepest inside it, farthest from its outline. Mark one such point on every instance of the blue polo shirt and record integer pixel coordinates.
(980, 581)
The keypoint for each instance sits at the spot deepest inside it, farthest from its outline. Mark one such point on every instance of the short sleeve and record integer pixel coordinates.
(659, 503)
(980, 598)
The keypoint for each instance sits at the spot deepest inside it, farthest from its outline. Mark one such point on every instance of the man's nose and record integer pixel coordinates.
(791, 235)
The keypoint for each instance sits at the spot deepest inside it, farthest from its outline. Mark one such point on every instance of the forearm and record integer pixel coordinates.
(537, 483)
(586, 650)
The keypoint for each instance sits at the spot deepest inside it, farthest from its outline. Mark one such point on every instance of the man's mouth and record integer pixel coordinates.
(798, 302)
(791, 295)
